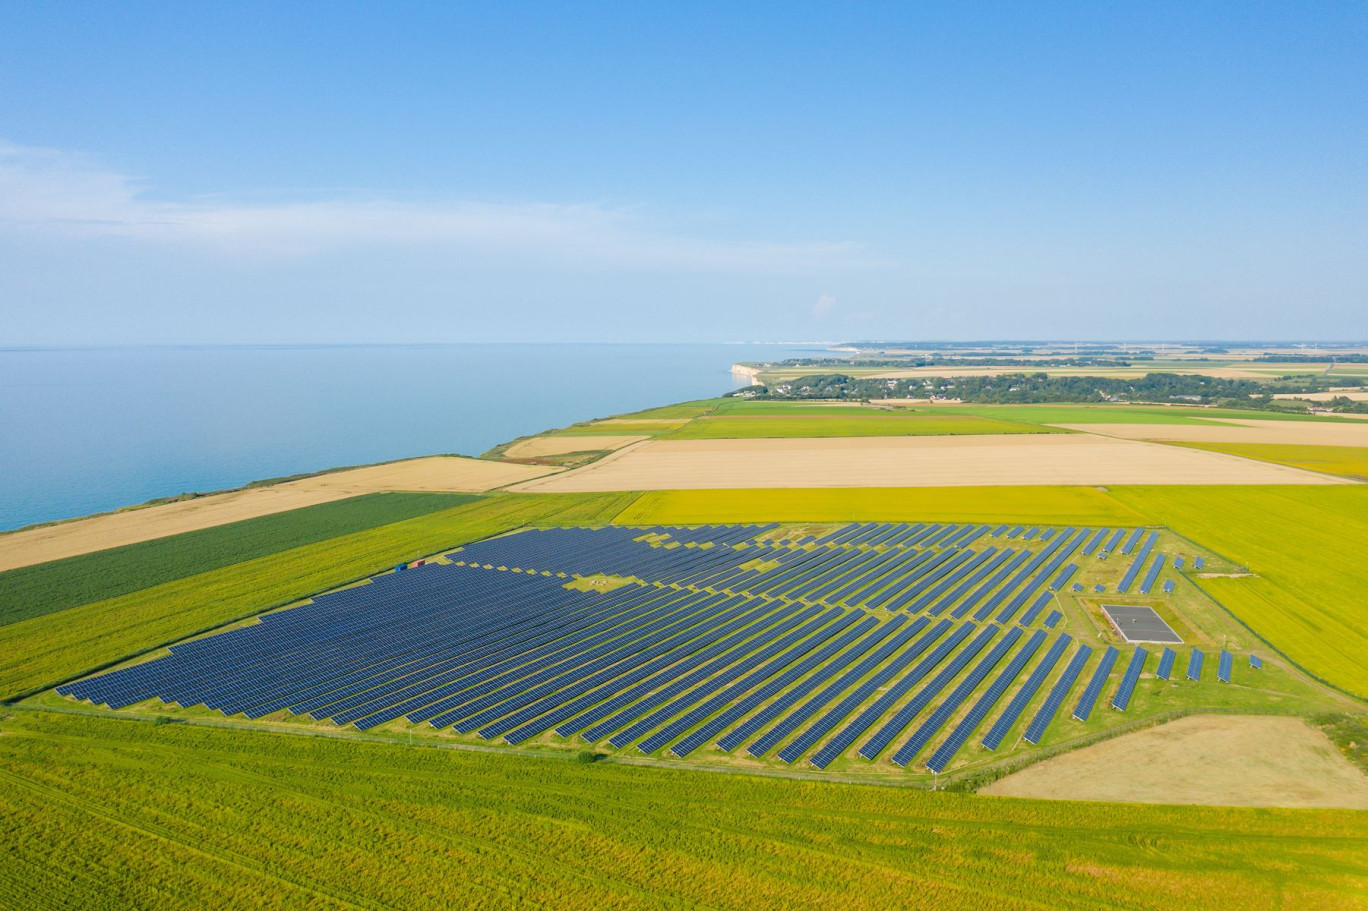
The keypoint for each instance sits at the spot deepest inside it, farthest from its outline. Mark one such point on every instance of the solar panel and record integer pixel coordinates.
(996, 690)
(1053, 618)
(864, 691)
(903, 717)
(1128, 680)
(943, 712)
(1094, 688)
(1166, 658)
(1255, 662)
(1194, 668)
(1224, 666)
(1023, 696)
(1045, 714)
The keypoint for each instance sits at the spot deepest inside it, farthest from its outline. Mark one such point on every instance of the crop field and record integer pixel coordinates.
(33, 591)
(1305, 546)
(858, 424)
(836, 646)
(913, 461)
(98, 812)
(1345, 461)
(41, 650)
(560, 444)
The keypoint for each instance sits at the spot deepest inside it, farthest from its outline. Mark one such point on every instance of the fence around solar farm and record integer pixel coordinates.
(720, 634)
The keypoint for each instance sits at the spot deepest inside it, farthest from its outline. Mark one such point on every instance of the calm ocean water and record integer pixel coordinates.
(89, 430)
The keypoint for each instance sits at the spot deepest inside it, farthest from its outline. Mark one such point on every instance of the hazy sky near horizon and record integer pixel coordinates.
(311, 172)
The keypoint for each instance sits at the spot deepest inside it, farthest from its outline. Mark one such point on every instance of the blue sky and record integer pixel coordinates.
(566, 172)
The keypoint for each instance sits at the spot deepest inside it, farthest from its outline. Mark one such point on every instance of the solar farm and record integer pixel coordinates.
(893, 647)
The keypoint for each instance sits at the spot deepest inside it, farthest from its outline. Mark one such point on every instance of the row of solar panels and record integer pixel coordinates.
(515, 654)
(916, 580)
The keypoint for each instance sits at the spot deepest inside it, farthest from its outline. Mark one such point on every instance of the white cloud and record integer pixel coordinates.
(824, 305)
(66, 194)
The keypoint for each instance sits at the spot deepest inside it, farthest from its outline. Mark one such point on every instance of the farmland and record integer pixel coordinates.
(33, 591)
(920, 679)
(40, 650)
(912, 461)
(104, 812)
(1308, 597)
(1345, 461)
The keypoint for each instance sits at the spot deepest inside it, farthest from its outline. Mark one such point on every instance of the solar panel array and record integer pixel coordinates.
(855, 642)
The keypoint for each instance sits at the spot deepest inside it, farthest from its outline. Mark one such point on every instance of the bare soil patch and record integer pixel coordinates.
(1309, 433)
(1217, 760)
(948, 461)
(434, 473)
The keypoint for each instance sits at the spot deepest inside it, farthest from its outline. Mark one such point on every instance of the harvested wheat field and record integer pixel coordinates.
(434, 473)
(948, 461)
(536, 447)
(1217, 760)
(1306, 433)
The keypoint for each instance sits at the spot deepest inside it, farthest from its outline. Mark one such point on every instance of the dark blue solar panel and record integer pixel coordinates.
(1165, 669)
(1194, 669)
(1046, 713)
(1128, 680)
(1028, 690)
(1094, 688)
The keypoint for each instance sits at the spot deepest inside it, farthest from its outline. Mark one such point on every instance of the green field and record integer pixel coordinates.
(1305, 544)
(42, 650)
(855, 425)
(33, 591)
(102, 813)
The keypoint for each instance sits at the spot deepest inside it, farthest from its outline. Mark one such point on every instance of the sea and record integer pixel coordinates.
(94, 429)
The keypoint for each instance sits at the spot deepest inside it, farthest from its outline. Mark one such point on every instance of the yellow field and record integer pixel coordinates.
(1346, 461)
(1216, 760)
(1306, 544)
(436, 473)
(951, 461)
(1049, 505)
